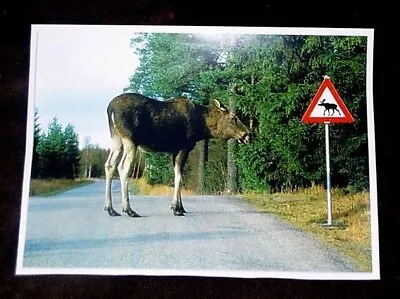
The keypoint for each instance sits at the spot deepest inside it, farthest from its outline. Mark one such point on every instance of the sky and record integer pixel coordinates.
(79, 69)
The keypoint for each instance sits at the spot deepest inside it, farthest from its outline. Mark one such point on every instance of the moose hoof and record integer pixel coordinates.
(112, 212)
(131, 213)
(178, 213)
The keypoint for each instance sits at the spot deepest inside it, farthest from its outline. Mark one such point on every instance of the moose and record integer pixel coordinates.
(173, 126)
(328, 107)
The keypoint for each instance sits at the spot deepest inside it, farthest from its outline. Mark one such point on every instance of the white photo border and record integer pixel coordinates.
(367, 32)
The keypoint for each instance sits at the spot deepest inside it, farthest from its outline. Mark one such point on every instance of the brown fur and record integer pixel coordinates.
(173, 126)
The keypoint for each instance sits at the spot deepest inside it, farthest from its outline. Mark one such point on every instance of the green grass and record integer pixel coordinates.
(307, 210)
(54, 186)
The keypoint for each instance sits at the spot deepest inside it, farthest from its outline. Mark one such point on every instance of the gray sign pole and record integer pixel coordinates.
(328, 175)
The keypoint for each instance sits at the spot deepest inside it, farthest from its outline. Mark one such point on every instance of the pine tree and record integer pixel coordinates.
(72, 151)
(36, 139)
(58, 151)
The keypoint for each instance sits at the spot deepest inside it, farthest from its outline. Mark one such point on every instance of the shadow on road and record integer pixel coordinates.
(51, 245)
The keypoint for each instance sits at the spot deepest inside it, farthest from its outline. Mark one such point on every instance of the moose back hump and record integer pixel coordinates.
(160, 126)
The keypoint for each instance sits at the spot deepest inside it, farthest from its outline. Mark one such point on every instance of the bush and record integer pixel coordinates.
(159, 169)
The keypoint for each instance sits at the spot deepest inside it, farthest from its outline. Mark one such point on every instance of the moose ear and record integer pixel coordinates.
(217, 104)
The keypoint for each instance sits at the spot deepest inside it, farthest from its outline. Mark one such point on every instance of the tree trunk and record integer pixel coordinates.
(232, 168)
(232, 182)
(203, 151)
(73, 171)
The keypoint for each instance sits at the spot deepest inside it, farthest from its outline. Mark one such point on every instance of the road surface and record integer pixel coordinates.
(72, 231)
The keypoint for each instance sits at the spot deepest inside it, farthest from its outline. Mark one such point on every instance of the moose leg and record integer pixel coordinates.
(125, 170)
(179, 160)
(110, 166)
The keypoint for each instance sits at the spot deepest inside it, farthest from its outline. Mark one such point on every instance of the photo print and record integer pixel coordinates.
(200, 151)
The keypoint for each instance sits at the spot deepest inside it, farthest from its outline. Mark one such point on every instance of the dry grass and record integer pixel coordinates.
(53, 186)
(307, 209)
(141, 187)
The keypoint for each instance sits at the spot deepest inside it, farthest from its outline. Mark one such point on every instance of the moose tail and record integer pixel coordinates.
(111, 124)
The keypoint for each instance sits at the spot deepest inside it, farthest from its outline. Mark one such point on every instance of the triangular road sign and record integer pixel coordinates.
(327, 106)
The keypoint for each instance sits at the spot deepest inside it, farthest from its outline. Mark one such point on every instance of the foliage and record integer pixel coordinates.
(72, 153)
(159, 169)
(271, 79)
(57, 152)
(36, 138)
(171, 64)
(93, 159)
(289, 154)
(216, 168)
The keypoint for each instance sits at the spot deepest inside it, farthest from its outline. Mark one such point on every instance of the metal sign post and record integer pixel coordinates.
(328, 175)
(327, 107)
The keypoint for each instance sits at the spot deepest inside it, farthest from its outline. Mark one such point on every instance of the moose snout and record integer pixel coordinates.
(244, 138)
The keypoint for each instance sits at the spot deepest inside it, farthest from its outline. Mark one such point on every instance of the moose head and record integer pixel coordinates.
(223, 123)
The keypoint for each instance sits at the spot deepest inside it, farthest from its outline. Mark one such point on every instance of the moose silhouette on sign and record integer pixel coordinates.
(328, 107)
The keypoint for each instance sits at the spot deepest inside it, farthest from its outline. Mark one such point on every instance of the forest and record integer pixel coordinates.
(269, 81)
(56, 153)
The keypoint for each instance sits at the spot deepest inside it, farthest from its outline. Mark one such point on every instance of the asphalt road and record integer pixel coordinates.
(71, 230)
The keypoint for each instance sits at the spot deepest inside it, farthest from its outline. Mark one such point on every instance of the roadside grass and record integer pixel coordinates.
(141, 187)
(307, 210)
(50, 187)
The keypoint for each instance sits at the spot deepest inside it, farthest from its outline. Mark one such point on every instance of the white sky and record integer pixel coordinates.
(79, 70)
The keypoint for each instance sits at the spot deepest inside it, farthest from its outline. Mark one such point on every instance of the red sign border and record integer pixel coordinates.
(326, 83)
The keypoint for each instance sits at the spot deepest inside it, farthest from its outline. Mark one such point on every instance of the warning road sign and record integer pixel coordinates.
(327, 106)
